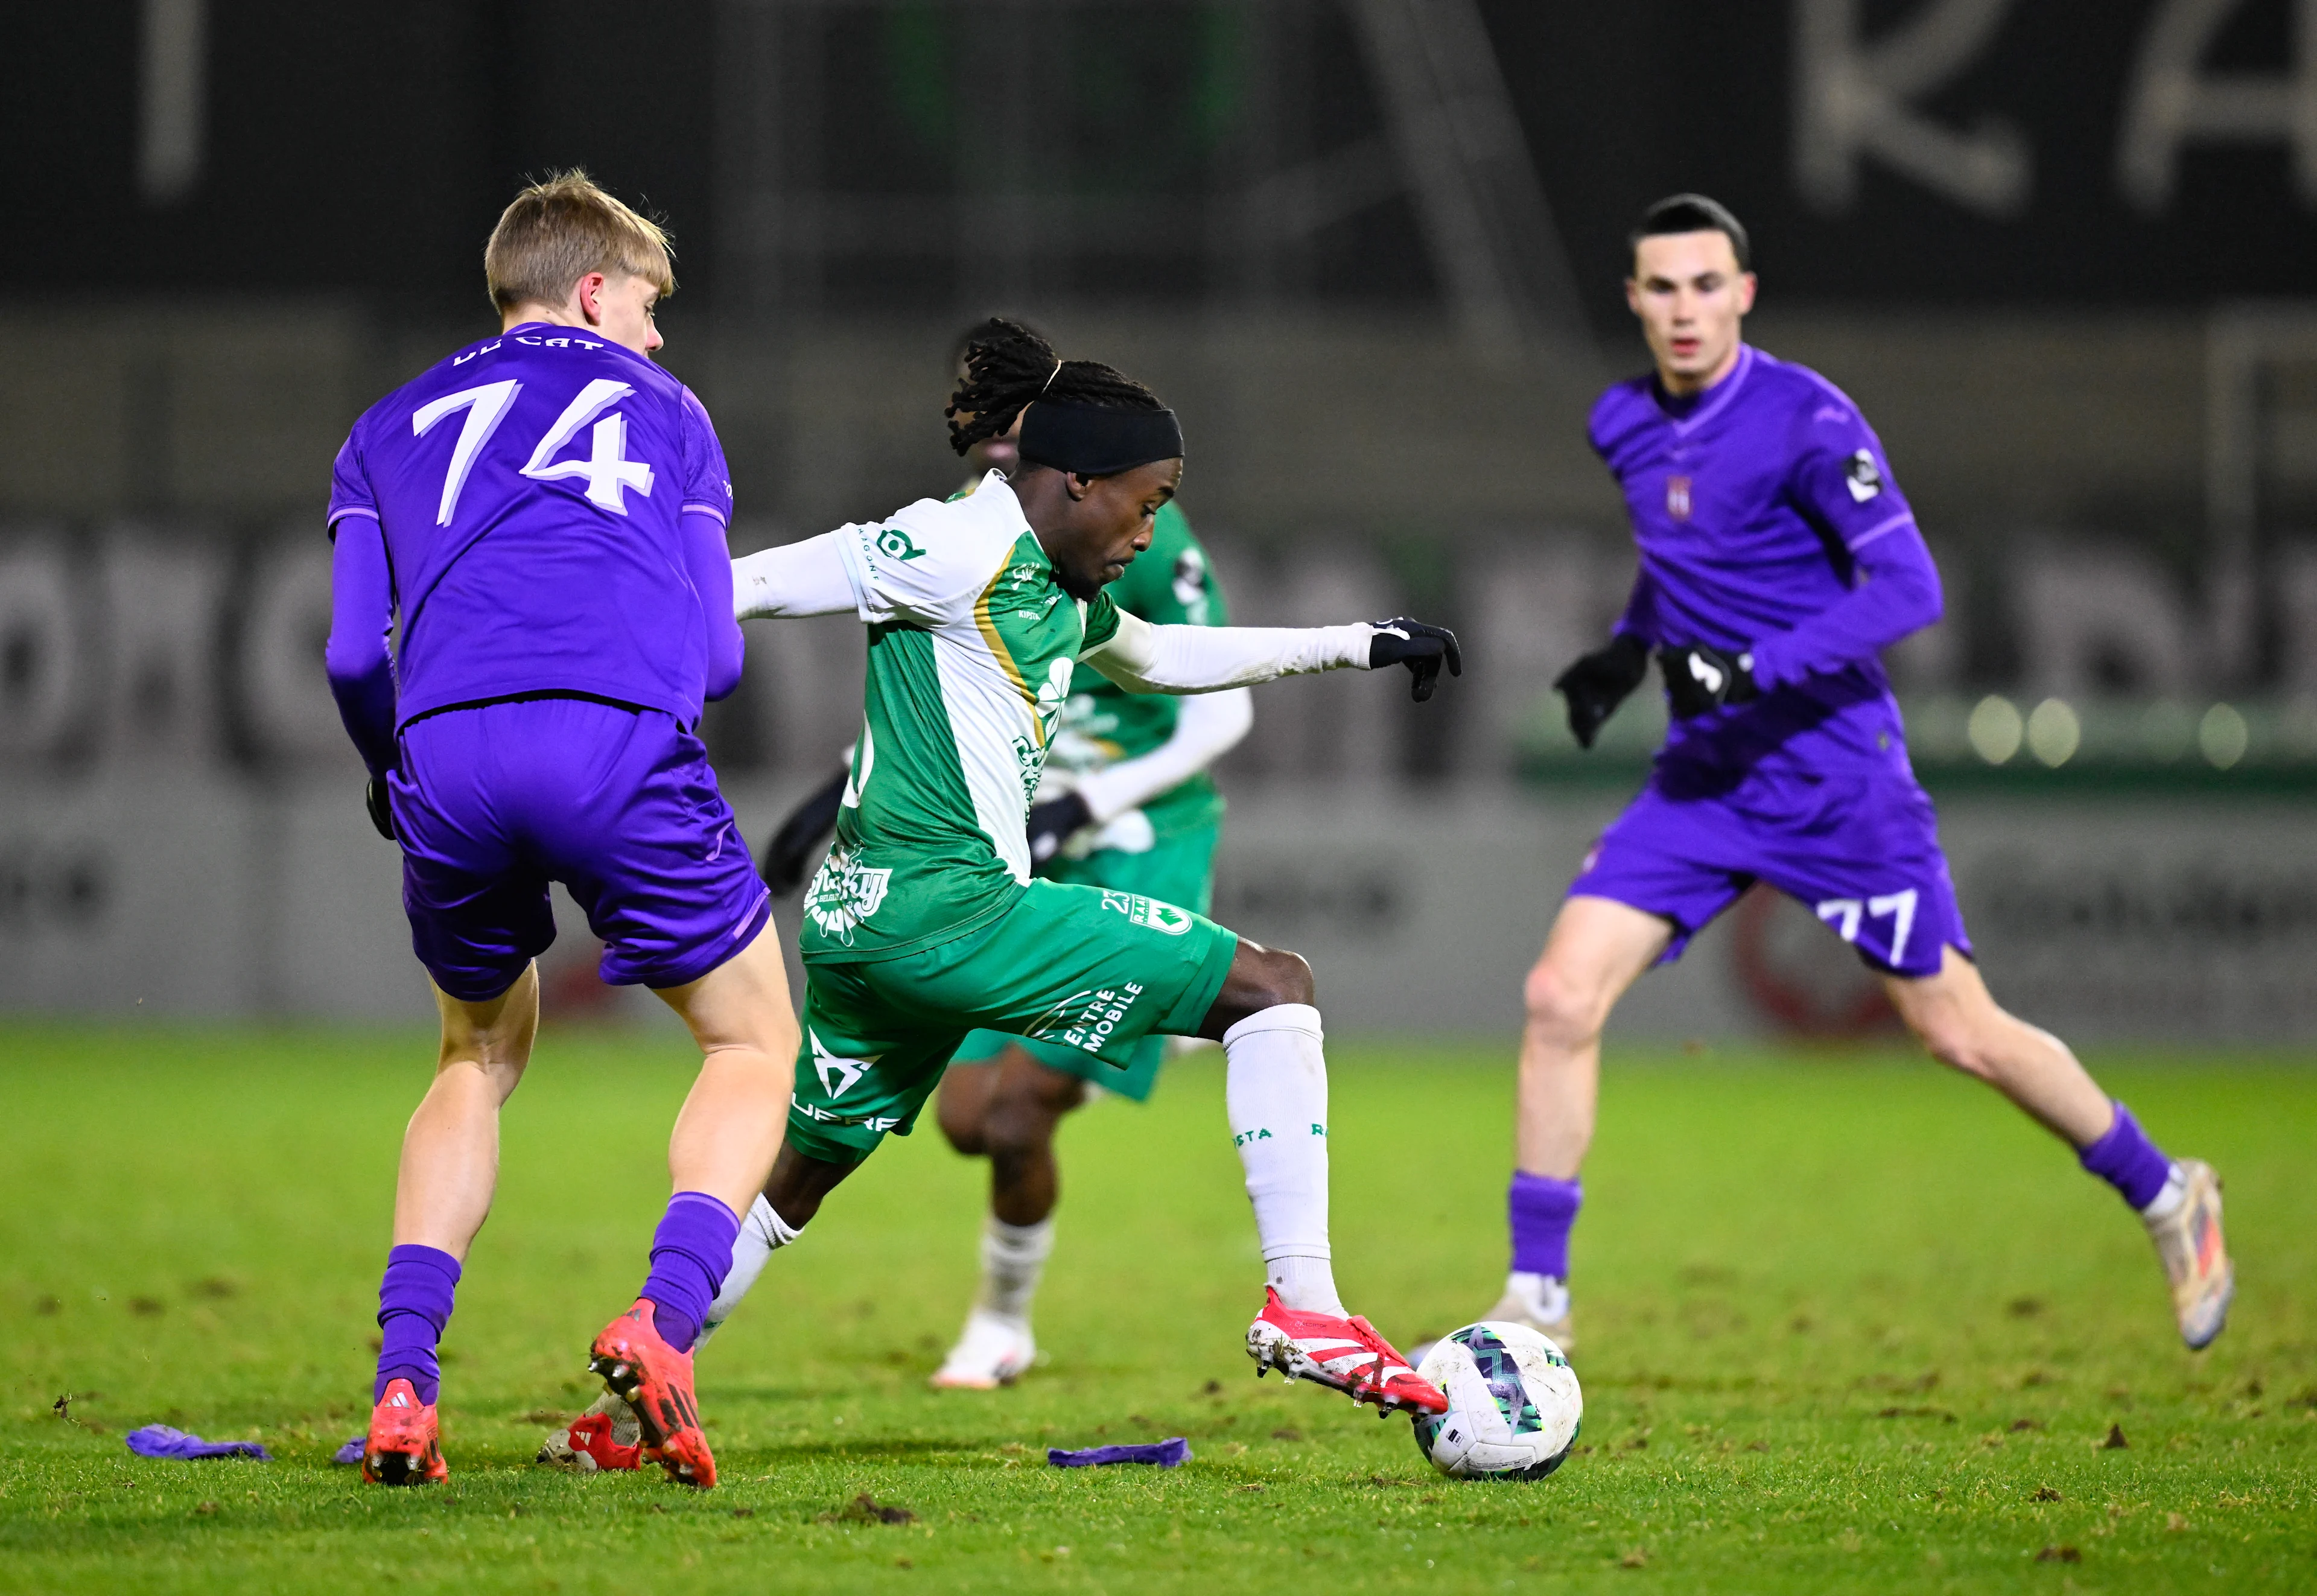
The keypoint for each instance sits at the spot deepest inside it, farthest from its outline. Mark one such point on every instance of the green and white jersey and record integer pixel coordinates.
(972, 647)
(1169, 584)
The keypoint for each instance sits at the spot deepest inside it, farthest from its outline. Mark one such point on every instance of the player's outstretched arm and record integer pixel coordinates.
(1895, 593)
(794, 579)
(356, 658)
(1145, 659)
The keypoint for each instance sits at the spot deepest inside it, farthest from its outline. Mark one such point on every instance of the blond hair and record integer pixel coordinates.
(557, 231)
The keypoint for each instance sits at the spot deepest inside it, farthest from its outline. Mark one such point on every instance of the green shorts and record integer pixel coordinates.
(1178, 869)
(1089, 968)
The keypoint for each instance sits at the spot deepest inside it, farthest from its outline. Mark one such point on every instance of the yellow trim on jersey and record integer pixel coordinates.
(1003, 655)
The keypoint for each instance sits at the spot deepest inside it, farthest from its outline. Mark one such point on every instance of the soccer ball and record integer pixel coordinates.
(1514, 1408)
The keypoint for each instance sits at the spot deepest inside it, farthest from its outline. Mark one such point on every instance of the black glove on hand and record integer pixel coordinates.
(380, 815)
(789, 852)
(1700, 677)
(1053, 821)
(1421, 648)
(1597, 684)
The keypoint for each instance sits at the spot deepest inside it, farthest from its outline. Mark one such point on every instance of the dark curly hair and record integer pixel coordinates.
(1008, 366)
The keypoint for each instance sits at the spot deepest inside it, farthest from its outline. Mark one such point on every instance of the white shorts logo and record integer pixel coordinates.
(844, 895)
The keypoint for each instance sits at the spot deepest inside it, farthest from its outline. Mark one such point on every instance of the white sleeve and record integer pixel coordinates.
(1209, 727)
(808, 578)
(1145, 659)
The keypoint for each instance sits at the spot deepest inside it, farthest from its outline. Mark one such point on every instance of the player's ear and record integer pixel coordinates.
(1746, 283)
(1632, 296)
(589, 290)
(1075, 486)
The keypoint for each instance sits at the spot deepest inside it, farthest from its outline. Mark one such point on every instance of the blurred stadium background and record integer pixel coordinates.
(2060, 253)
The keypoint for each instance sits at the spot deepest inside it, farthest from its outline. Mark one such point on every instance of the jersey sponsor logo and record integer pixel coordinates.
(844, 895)
(1678, 498)
(1086, 1020)
(894, 544)
(1862, 477)
(1148, 912)
(837, 1075)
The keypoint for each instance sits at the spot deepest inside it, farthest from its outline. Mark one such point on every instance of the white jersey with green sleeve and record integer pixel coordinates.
(973, 644)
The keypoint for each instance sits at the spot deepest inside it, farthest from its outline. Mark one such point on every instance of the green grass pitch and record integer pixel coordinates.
(1848, 1323)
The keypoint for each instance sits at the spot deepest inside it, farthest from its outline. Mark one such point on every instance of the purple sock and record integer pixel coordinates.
(414, 1304)
(691, 1251)
(2128, 1161)
(1542, 1210)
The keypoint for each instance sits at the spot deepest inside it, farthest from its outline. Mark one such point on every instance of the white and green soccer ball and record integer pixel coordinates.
(1514, 1406)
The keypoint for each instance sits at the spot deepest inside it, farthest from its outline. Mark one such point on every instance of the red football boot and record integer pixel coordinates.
(1346, 1354)
(404, 1444)
(605, 1439)
(656, 1380)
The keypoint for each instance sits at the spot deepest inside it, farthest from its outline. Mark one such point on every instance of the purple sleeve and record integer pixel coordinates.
(707, 480)
(1896, 592)
(362, 614)
(350, 493)
(708, 558)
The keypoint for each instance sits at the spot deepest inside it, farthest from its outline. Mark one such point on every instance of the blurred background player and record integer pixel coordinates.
(1777, 560)
(544, 511)
(925, 923)
(1126, 803)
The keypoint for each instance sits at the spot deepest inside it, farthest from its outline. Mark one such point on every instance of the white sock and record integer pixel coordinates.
(1545, 1298)
(1012, 1257)
(763, 1232)
(2166, 1202)
(1275, 1090)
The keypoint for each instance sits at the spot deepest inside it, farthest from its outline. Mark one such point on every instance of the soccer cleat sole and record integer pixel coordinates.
(404, 1468)
(672, 1437)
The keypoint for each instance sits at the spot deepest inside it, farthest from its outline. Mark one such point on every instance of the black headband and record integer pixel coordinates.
(1097, 440)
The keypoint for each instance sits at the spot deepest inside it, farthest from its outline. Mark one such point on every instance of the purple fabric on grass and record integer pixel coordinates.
(692, 1251)
(352, 1452)
(160, 1440)
(2128, 1161)
(1542, 1210)
(1172, 1453)
(414, 1304)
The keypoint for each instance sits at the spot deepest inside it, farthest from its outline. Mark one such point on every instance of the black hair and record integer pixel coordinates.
(1008, 367)
(1692, 213)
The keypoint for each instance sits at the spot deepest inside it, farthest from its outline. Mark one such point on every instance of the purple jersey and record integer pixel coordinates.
(531, 489)
(1758, 506)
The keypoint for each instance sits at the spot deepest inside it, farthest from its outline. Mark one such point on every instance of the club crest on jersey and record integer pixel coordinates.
(1862, 477)
(1678, 498)
(844, 895)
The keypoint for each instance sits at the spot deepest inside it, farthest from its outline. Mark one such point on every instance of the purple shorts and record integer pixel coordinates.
(1859, 848)
(618, 804)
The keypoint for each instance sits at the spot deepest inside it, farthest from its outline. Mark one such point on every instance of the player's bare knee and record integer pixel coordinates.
(1955, 1044)
(1285, 977)
(1558, 1008)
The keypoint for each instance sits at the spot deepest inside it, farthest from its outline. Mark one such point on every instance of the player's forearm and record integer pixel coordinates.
(708, 559)
(355, 658)
(1209, 726)
(1898, 594)
(806, 579)
(1146, 659)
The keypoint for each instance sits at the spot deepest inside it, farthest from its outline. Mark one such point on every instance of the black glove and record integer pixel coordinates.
(1699, 676)
(789, 852)
(1053, 821)
(380, 815)
(1597, 684)
(1421, 648)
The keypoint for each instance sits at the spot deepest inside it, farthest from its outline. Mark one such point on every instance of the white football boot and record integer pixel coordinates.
(1540, 1302)
(2195, 1255)
(993, 1350)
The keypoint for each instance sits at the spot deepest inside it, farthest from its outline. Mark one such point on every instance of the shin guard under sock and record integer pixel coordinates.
(414, 1306)
(692, 1252)
(2128, 1161)
(1275, 1089)
(1542, 1211)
